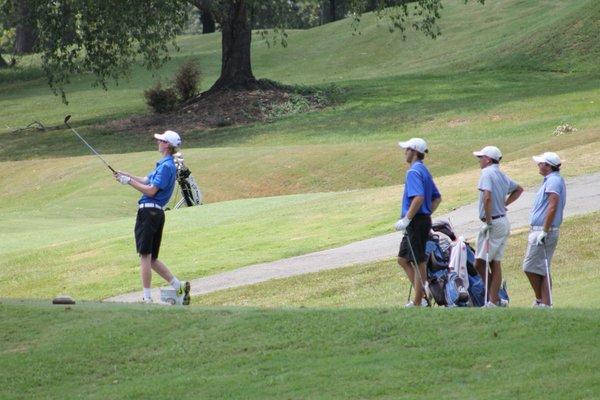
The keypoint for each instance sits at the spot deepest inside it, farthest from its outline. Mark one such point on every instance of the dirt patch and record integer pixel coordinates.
(457, 122)
(228, 108)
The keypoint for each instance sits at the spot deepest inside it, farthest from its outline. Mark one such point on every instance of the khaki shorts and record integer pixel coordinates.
(534, 261)
(498, 236)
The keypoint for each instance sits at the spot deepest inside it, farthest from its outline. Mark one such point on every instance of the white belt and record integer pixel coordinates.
(541, 228)
(151, 205)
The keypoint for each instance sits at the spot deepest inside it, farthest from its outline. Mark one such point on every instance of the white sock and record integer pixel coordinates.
(175, 283)
(147, 293)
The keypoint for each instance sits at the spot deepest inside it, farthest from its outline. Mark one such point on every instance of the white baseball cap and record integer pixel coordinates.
(548, 158)
(490, 151)
(169, 136)
(416, 144)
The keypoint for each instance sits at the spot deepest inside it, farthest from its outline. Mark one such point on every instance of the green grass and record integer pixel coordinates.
(576, 269)
(97, 351)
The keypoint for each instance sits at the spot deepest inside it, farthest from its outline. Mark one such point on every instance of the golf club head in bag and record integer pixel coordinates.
(190, 192)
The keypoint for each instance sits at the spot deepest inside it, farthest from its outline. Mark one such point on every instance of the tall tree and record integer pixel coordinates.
(107, 36)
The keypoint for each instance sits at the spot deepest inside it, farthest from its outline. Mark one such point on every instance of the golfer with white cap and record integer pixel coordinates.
(496, 192)
(421, 198)
(156, 189)
(546, 218)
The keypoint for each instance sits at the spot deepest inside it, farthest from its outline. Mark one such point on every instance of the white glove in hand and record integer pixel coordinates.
(485, 228)
(124, 179)
(402, 224)
(541, 239)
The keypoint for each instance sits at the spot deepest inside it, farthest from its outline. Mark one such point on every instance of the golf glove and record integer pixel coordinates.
(124, 179)
(485, 228)
(402, 224)
(541, 239)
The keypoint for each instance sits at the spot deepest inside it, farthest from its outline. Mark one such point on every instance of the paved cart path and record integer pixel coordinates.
(583, 196)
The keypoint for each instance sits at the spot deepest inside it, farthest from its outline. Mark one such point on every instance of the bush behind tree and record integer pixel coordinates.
(187, 80)
(161, 100)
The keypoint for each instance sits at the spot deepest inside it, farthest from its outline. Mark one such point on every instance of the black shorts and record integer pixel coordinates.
(148, 231)
(418, 233)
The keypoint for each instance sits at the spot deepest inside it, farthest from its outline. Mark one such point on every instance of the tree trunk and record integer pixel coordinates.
(236, 69)
(25, 33)
(208, 21)
(332, 14)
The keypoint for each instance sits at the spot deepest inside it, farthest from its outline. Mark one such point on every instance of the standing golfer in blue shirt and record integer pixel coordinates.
(421, 198)
(546, 218)
(156, 189)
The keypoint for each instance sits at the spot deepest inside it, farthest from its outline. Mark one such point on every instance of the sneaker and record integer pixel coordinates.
(489, 304)
(147, 301)
(410, 304)
(536, 303)
(424, 303)
(183, 294)
(503, 303)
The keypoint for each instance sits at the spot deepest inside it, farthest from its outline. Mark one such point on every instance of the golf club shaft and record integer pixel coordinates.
(90, 147)
(487, 266)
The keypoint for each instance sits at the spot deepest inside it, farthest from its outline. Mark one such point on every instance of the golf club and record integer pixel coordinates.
(487, 268)
(548, 276)
(67, 118)
(416, 267)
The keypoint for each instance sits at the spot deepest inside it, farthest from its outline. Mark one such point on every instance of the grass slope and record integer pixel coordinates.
(120, 352)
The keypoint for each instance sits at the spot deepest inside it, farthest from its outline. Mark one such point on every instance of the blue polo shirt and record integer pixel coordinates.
(163, 177)
(419, 182)
(553, 183)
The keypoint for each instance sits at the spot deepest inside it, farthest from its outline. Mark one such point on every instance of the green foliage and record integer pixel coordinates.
(187, 80)
(161, 100)
(104, 37)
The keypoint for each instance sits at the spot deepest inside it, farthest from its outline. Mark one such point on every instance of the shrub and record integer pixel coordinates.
(187, 80)
(161, 100)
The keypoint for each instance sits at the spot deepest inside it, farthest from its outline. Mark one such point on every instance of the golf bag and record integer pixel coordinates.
(450, 284)
(190, 192)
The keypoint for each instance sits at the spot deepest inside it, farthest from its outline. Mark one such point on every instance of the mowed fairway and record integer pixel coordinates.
(506, 73)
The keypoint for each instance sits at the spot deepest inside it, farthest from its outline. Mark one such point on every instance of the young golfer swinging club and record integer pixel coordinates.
(156, 189)
(421, 198)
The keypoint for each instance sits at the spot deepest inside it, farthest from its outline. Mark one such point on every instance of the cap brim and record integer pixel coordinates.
(404, 145)
(159, 136)
(539, 159)
(478, 154)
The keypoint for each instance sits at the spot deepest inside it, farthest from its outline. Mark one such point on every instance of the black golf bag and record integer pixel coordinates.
(190, 192)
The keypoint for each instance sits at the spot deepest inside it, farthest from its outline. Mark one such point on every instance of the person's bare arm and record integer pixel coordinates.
(552, 206)
(487, 206)
(148, 190)
(514, 195)
(415, 205)
(435, 203)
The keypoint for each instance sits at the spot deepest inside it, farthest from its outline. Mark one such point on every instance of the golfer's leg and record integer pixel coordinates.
(408, 268)
(496, 281)
(162, 270)
(545, 290)
(146, 270)
(535, 281)
(480, 267)
(418, 285)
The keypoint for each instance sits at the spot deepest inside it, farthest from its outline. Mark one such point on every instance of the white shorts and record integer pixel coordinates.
(498, 235)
